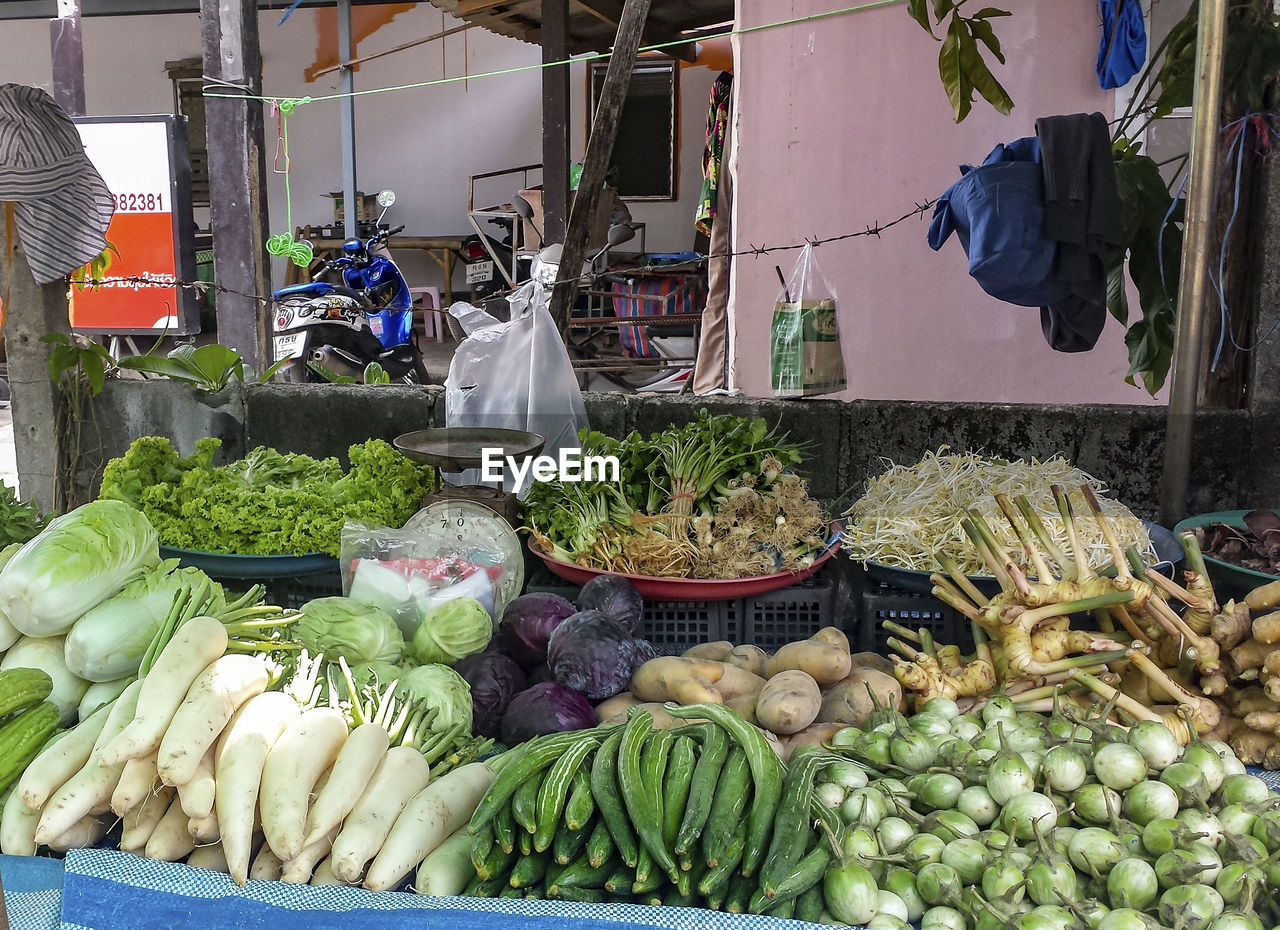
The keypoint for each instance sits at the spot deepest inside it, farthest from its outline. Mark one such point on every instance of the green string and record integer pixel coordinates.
(300, 252)
(593, 56)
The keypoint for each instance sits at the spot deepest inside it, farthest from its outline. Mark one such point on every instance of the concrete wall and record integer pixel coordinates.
(843, 123)
(1122, 446)
(422, 142)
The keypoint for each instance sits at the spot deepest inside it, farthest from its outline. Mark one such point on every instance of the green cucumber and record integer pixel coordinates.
(791, 827)
(766, 774)
(524, 804)
(599, 843)
(567, 845)
(680, 900)
(810, 904)
(653, 769)
(638, 794)
(675, 788)
(718, 876)
(524, 842)
(481, 845)
(702, 789)
(580, 807)
(504, 829)
(554, 790)
(485, 888)
(509, 892)
(648, 875)
(741, 889)
(607, 794)
(619, 881)
(732, 793)
(582, 874)
(526, 763)
(585, 895)
(528, 870)
(806, 873)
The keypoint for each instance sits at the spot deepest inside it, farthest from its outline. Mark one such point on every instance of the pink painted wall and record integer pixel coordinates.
(842, 123)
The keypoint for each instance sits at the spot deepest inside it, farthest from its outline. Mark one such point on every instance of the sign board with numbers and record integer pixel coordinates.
(151, 239)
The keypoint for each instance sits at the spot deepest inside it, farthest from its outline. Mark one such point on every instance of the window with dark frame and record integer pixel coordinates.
(188, 100)
(645, 158)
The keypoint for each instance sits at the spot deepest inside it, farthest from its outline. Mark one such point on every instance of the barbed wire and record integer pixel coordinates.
(756, 251)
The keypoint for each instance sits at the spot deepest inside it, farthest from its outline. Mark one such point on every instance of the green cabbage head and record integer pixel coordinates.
(339, 626)
(440, 687)
(452, 631)
(81, 559)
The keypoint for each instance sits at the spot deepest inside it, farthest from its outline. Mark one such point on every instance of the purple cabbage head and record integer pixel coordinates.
(527, 625)
(545, 708)
(594, 654)
(615, 597)
(495, 679)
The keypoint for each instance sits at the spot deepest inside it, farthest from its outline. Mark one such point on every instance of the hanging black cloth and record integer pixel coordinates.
(1081, 214)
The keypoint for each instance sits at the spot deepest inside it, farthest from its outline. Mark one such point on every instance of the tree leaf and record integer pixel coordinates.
(271, 372)
(1117, 295)
(942, 7)
(94, 371)
(980, 77)
(159, 365)
(951, 69)
(919, 11)
(990, 12)
(982, 30)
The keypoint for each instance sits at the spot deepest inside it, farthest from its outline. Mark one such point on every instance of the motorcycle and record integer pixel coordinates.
(338, 330)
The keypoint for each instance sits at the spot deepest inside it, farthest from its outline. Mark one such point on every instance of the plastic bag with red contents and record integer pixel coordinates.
(406, 573)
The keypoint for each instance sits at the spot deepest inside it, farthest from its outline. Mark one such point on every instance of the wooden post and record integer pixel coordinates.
(67, 47)
(33, 310)
(347, 124)
(555, 120)
(604, 131)
(237, 169)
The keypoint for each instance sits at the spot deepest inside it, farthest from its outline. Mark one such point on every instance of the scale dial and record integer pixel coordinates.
(478, 534)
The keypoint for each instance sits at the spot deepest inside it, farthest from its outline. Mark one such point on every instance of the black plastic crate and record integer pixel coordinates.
(776, 618)
(878, 602)
(294, 592)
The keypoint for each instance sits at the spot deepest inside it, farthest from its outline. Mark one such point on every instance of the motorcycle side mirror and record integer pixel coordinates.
(523, 208)
(385, 199)
(619, 234)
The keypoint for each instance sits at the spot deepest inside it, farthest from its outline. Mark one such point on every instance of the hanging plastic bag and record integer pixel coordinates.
(805, 352)
(516, 375)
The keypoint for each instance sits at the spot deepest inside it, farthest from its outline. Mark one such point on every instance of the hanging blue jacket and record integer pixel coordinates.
(997, 210)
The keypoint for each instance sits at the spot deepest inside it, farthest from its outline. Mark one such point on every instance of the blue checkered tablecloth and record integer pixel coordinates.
(102, 889)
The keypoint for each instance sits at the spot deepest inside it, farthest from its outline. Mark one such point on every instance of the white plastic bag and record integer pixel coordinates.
(515, 375)
(806, 356)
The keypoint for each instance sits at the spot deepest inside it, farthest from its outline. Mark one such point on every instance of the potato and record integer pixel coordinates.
(751, 658)
(675, 678)
(849, 702)
(815, 734)
(788, 702)
(735, 682)
(833, 636)
(716, 652)
(616, 706)
(744, 705)
(824, 663)
(871, 660)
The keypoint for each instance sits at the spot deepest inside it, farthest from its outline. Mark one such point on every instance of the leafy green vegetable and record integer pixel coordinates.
(109, 641)
(452, 631)
(268, 503)
(80, 560)
(339, 626)
(20, 521)
(441, 688)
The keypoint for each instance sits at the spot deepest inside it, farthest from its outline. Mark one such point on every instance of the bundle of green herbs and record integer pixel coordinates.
(714, 498)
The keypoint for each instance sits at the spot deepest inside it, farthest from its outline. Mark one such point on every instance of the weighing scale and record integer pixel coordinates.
(475, 518)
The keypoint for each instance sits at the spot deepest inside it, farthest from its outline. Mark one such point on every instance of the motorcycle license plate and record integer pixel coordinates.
(290, 345)
(479, 272)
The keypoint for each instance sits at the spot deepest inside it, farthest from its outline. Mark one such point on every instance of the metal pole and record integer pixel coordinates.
(347, 107)
(1193, 284)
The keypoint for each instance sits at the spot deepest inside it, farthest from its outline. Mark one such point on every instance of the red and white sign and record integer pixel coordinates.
(139, 292)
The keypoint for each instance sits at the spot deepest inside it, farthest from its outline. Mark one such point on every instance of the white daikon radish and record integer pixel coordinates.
(400, 775)
(352, 770)
(306, 748)
(214, 696)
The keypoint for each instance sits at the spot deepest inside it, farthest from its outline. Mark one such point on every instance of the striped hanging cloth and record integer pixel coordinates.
(63, 205)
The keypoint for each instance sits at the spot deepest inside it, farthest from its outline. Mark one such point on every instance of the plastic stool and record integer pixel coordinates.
(432, 328)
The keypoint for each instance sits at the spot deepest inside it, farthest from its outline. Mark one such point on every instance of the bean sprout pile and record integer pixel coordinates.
(911, 514)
